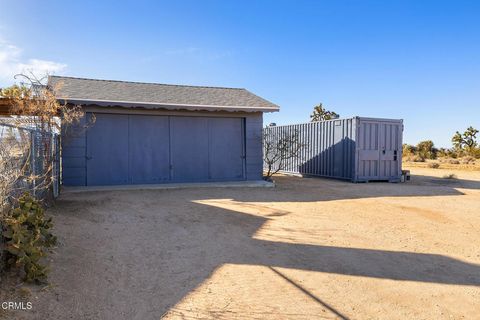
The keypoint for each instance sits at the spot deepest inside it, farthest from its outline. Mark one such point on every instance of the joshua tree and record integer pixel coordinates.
(466, 141)
(320, 114)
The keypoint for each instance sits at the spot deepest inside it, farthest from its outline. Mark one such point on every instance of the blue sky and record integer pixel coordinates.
(415, 60)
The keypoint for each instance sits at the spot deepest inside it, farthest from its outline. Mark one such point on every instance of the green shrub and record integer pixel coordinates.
(27, 237)
(426, 149)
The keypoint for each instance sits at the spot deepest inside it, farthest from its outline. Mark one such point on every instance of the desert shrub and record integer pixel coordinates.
(453, 154)
(467, 160)
(476, 153)
(418, 158)
(27, 237)
(426, 150)
(408, 150)
(434, 165)
(449, 160)
(442, 153)
(450, 176)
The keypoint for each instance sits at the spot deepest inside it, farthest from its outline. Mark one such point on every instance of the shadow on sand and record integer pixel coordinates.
(187, 256)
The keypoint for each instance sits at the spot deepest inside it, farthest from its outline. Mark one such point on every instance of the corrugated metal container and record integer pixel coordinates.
(356, 149)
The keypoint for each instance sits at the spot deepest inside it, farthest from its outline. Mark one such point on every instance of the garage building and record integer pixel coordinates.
(146, 133)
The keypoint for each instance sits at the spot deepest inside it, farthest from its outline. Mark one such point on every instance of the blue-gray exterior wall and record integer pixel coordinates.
(253, 146)
(74, 148)
(74, 142)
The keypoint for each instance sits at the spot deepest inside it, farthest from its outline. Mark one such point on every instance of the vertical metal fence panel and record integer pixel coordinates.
(356, 149)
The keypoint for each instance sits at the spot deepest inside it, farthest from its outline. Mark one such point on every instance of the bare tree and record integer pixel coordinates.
(278, 148)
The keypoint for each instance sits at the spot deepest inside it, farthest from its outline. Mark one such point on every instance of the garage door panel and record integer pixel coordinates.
(141, 149)
(149, 155)
(189, 148)
(107, 150)
(226, 148)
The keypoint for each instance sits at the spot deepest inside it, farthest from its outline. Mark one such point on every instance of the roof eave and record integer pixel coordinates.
(168, 106)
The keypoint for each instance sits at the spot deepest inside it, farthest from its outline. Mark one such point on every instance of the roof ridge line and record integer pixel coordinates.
(152, 83)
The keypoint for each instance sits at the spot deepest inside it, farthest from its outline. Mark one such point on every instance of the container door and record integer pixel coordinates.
(390, 151)
(368, 151)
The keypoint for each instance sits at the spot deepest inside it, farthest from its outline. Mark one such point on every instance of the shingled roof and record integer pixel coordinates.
(154, 95)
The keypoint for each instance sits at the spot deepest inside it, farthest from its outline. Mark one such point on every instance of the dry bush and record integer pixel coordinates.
(35, 106)
(449, 161)
(418, 158)
(278, 149)
(450, 176)
(453, 161)
(413, 158)
(434, 165)
(467, 160)
(32, 106)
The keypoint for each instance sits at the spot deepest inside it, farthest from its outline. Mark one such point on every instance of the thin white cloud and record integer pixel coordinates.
(12, 62)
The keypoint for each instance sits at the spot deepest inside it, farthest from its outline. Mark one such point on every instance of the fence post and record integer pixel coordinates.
(52, 155)
(55, 178)
(32, 161)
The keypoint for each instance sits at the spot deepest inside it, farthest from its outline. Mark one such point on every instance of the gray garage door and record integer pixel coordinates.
(137, 149)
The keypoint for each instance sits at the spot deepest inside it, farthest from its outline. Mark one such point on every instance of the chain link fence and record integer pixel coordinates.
(29, 162)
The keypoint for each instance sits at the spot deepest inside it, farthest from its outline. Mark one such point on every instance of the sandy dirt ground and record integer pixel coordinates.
(307, 249)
